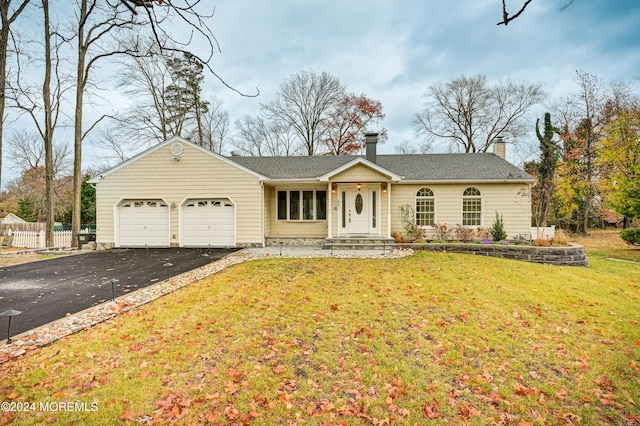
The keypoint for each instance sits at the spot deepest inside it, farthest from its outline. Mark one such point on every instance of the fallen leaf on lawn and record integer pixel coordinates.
(466, 411)
(231, 387)
(128, 415)
(431, 410)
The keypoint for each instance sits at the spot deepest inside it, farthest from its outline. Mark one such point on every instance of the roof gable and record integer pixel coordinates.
(356, 163)
(162, 145)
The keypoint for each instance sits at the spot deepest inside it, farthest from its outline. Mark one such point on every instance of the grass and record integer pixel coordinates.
(436, 337)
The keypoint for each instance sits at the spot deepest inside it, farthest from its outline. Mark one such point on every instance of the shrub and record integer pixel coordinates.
(631, 236)
(483, 233)
(464, 234)
(397, 237)
(497, 229)
(443, 232)
(407, 217)
(559, 238)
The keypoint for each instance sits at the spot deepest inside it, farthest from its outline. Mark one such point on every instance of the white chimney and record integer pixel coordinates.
(500, 148)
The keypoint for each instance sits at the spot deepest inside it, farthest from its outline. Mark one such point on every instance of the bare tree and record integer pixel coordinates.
(407, 147)
(26, 152)
(303, 103)
(161, 17)
(260, 137)
(470, 113)
(145, 79)
(43, 104)
(213, 130)
(97, 35)
(8, 16)
(166, 94)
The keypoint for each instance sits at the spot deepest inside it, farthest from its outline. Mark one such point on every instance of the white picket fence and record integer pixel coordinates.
(543, 233)
(37, 240)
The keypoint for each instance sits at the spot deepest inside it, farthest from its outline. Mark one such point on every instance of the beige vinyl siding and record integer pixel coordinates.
(296, 228)
(359, 173)
(196, 175)
(269, 200)
(509, 200)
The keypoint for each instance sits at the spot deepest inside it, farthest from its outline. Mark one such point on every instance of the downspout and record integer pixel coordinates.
(330, 212)
(262, 213)
(389, 210)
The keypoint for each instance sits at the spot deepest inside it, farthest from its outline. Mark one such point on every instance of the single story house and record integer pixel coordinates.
(10, 219)
(178, 194)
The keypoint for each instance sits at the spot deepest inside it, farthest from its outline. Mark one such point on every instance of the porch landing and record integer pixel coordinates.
(359, 243)
(337, 243)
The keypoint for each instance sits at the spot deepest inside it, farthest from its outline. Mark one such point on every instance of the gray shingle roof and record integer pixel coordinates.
(412, 167)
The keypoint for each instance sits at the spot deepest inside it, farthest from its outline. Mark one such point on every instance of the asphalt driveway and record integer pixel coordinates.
(49, 289)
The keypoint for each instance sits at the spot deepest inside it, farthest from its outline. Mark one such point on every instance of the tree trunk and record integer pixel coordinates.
(77, 135)
(48, 129)
(4, 41)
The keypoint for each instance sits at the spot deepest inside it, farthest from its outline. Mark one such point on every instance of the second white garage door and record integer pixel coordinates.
(208, 223)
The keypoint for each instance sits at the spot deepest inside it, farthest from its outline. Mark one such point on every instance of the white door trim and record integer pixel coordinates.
(352, 223)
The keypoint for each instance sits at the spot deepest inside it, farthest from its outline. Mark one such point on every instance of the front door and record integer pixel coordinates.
(357, 211)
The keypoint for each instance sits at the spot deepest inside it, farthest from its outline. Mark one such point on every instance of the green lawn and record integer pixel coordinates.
(434, 338)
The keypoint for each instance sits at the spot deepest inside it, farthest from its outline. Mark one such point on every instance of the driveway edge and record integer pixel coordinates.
(30, 341)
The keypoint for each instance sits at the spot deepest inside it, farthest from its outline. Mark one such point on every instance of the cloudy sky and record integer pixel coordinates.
(394, 50)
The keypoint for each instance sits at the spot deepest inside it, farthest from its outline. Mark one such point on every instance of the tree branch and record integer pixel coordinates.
(505, 15)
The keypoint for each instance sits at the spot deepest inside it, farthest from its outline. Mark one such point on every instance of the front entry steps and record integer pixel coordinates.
(359, 243)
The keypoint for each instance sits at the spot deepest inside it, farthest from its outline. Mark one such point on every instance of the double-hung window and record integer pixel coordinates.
(425, 207)
(472, 207)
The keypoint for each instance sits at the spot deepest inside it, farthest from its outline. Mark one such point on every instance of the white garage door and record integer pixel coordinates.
(144, 223)
(208, 223)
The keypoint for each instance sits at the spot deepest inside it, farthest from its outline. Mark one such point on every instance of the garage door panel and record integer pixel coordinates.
(208, 223)
(144, 223)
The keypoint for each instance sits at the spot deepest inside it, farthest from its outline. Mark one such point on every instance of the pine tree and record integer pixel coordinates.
(183, 95)
(497, 229)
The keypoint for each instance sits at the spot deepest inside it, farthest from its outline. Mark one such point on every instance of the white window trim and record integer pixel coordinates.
(301, 205)
(435, 207)
(481, 198)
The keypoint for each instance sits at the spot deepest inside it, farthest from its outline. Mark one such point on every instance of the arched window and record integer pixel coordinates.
(425, 207)
(472, 207)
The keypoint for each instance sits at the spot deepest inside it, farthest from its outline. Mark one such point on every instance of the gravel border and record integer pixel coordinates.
(30, 341)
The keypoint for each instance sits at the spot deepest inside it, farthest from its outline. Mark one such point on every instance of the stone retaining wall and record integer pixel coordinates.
(571, 255)
(294, 241)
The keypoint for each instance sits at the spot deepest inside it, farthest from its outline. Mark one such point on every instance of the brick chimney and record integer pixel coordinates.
(500, 148)
(371, 139)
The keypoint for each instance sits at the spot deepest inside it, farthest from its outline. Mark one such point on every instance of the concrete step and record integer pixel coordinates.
(359, 243)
